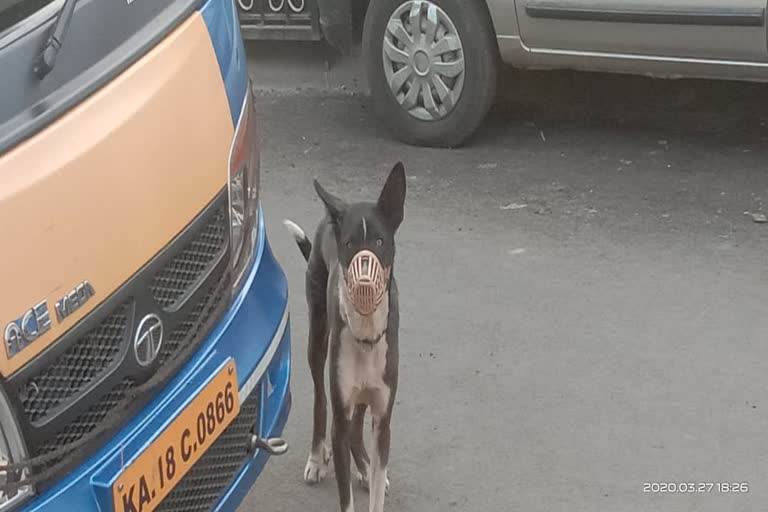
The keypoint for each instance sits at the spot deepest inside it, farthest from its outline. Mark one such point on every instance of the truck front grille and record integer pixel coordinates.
(93, 355)
(180, 274)
(189, 329)
(89, 381)
(88, 421)
(195, 323)
(202, 487)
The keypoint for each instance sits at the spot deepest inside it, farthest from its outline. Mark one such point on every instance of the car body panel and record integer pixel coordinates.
(504, 18)
(731, 45)
(515, 53)
(703, 29)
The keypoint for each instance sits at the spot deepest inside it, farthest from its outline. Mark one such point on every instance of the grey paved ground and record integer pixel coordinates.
(557, 356)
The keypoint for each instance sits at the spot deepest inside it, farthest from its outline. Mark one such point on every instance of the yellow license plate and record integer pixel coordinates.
(151, 477)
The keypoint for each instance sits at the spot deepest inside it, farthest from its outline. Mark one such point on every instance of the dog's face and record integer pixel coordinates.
(368, 226)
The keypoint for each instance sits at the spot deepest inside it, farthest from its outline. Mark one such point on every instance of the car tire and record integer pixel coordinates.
(447, 119)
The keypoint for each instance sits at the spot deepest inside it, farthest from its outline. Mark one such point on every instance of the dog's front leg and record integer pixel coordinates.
(317, 351)
(379, 460)
(342, 421)
(359, 454)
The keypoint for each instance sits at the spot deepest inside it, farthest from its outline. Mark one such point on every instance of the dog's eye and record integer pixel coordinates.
(379, 241)
(349, 245)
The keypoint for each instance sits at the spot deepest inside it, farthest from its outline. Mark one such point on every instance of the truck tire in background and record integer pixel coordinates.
(431, 67)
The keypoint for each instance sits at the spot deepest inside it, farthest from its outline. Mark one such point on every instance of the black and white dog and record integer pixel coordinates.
(353, 305)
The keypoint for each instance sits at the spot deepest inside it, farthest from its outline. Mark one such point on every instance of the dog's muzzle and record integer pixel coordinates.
(367, 281)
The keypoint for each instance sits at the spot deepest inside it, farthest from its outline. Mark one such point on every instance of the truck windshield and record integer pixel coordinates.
(13, 11)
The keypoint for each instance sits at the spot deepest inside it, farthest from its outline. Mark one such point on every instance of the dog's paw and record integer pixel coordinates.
(314, 472)
(317, 466)
(362, 480)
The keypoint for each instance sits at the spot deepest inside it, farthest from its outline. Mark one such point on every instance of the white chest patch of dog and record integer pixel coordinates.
(361, 373)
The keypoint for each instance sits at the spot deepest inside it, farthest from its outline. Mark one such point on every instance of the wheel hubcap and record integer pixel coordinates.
(421, 63)
(423, 60)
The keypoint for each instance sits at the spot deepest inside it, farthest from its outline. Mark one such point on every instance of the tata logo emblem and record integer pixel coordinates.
(148, 340)
(36, 321)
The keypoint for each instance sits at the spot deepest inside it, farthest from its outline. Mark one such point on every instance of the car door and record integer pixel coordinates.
(694, 29)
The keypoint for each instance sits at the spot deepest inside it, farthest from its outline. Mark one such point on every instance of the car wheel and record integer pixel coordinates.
(431, 67)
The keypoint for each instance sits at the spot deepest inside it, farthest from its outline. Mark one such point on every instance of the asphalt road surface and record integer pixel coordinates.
(583, 296)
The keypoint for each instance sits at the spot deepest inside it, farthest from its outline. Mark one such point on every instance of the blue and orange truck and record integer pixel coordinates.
(146, 342)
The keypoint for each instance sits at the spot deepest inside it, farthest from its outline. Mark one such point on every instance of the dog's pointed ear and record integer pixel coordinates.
(392, 197)
(334, 205)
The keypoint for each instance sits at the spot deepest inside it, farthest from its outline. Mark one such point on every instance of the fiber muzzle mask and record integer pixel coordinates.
(367, 281)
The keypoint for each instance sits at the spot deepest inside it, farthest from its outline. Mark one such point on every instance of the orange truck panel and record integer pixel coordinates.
(148, 128)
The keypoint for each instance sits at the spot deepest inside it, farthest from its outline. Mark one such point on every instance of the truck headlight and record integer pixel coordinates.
(244, 162)
(12, 449)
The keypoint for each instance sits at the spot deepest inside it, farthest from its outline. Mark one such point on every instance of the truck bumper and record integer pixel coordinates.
(255, 333)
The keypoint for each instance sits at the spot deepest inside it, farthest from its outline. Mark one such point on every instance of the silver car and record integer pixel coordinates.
(432, 64)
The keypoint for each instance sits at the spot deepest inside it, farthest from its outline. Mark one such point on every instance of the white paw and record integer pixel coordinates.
(317, 466)
(362, 480)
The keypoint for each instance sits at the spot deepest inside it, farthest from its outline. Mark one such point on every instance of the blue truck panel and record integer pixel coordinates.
(221, 19)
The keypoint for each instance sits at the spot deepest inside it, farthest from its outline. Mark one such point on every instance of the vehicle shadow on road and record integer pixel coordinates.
(707, 112)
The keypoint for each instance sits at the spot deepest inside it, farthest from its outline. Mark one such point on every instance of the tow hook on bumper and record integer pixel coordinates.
(272, 445)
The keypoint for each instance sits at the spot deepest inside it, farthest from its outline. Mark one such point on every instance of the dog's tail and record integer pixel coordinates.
(305, 245)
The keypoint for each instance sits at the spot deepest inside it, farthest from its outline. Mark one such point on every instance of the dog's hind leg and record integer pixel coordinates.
(317, 351)
(378, 474)
(359, 454)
